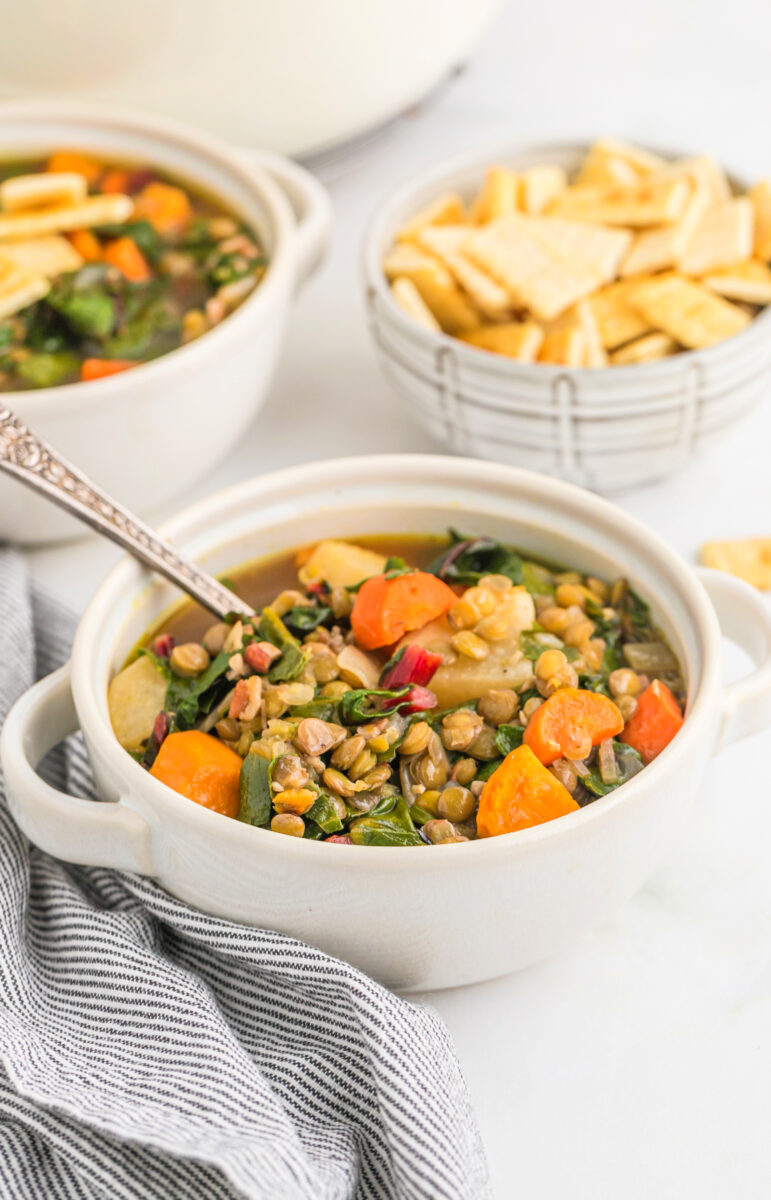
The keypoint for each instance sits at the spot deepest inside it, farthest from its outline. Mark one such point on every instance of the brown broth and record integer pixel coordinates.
(261, 580)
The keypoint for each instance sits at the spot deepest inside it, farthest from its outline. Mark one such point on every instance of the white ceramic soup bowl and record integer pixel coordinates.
(606, 428)
(413, 917)
(150, 433)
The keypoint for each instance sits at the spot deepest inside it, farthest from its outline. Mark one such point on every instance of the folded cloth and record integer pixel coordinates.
(152, 1051)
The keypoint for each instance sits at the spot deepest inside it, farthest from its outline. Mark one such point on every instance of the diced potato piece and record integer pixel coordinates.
(341, 564)
(467, 678)
(134, 698)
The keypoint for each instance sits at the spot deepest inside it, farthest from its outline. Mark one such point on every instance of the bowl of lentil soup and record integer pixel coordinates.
(443, 831)
(144, 269)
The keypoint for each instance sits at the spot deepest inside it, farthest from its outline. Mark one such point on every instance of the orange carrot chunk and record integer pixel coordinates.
(202, 768)
(569, 723)
(124, 254)
(115, 181)
(521, 793)
(656, 720)
(87, 244)
(100, 368)
(166, 207)
(385, 609)
(70, 160)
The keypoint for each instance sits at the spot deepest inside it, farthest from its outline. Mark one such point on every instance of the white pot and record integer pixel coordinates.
(150, 433)
(413, 917)
(606, 428)
(295, 75)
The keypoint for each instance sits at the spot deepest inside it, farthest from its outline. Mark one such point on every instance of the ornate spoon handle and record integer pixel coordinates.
(28, 458)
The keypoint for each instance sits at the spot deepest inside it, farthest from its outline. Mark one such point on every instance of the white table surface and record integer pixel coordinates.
(638, 1064)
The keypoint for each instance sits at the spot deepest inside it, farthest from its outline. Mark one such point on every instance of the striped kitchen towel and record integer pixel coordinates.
(151, 1051)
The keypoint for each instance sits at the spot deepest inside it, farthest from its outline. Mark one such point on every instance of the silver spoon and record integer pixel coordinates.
(32, 461)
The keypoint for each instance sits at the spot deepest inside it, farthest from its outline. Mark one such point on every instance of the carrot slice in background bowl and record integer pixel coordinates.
(385, 609)
(519, 794)
(124, 254)
(570, 722)
(100, 368)
(655, 722)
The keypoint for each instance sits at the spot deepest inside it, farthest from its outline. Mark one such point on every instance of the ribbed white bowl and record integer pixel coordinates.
(606, 428)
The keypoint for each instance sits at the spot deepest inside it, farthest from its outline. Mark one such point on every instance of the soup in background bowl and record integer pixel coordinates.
(107, 264)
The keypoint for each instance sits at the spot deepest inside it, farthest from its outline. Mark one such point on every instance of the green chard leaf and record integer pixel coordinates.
(186, 699)
(362, 704)
(48, 370)
(487, 769)
(293, 659)
(324, 813)
(392, 828)
(467, 559)
(305, 617)
(255, 790)
(87, 308)
(508, 738)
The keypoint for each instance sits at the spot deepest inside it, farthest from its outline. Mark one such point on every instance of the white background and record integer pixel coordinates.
(638, 1064)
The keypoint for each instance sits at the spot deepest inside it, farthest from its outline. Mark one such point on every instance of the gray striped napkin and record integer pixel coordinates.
(151, 1051)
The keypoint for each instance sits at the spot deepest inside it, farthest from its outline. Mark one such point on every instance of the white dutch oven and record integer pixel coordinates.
(413, 917)
(606, 428)
(295, 75)
(152, 432)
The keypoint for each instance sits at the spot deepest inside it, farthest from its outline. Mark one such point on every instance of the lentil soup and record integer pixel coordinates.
(105, 265)
(403, 691)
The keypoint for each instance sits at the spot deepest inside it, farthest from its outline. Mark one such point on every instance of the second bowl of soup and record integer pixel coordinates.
(145, 269)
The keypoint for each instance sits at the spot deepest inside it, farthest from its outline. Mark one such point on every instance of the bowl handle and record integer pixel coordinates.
(82, 831)
(744, 618)
(310, 202)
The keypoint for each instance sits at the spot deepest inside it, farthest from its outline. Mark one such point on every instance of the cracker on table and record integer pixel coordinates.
(747, 558)
(760, 196)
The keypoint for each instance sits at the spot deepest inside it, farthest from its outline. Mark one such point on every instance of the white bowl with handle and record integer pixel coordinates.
(605, 428)
(414, 917)
(150, 433)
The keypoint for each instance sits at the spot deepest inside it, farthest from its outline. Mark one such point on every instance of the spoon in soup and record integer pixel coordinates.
(31, 460)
